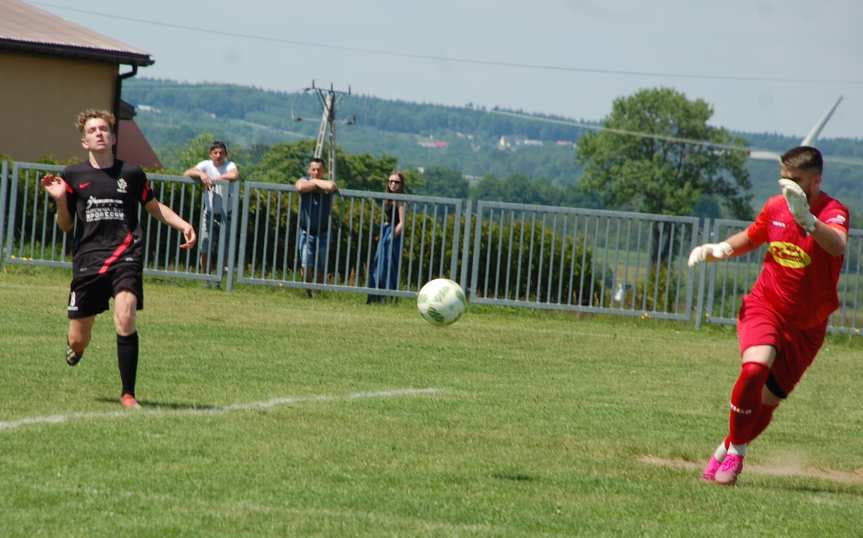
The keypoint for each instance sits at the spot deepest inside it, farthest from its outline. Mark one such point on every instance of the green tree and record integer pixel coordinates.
(196, 150)
(662, 176)
(364, 171)
(656, 175)
(446, 182)
(248, 156)
(518, 188)
(285, 163)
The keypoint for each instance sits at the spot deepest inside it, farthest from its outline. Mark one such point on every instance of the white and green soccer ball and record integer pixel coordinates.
(441, 301)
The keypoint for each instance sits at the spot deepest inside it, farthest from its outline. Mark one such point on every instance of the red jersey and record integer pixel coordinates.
(105, 204)
(799, 279)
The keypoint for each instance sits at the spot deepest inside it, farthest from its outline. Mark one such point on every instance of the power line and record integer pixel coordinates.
(848, 161)
(639, 134)
(459, 60)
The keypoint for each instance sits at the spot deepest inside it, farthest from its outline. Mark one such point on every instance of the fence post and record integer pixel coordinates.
(234, 189)
(241, 255)
(702, 269)
(456, 233)
(11, 208)
(3, 179)
(465, 247)
(474, 278)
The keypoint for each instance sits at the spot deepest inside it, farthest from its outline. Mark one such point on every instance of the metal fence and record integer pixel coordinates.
(584, 260)
(32, 238)
(271, 224)
(4, 186)
(617, 263)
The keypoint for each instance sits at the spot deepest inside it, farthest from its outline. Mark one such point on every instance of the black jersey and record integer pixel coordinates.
(391, 212)
(105, 205)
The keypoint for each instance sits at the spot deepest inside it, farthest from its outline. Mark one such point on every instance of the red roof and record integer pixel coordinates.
(133, 148)
(29, 29)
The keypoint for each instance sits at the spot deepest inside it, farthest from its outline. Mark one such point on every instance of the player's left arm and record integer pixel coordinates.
(833, 239)
(326, 185)
(165, 214)
(232, 173)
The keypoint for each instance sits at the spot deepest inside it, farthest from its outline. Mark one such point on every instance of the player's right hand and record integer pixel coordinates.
(206, 181)
(190, 236)
(710, 252)
(54, 185)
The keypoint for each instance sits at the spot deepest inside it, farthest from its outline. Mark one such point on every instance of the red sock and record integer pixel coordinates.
(762, 420)
(746, 402)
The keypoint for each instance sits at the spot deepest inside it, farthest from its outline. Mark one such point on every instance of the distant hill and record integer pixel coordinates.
(474, 140)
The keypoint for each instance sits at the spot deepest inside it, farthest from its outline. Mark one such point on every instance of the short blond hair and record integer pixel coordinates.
(91, 113)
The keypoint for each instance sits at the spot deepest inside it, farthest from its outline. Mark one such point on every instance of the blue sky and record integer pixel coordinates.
(764, 65)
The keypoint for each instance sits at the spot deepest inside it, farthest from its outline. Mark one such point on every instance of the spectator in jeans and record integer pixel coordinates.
(216, 216)
(316, 202)
(384, 268)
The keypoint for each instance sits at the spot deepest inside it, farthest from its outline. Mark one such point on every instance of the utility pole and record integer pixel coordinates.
(327, 130)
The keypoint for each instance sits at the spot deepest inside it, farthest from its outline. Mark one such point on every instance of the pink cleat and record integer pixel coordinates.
(731, 467)
(709, 473)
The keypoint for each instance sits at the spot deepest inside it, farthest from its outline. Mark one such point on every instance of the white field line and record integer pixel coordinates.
(214, 410)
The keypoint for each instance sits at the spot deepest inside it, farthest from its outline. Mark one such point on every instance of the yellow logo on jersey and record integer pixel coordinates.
(789, 255)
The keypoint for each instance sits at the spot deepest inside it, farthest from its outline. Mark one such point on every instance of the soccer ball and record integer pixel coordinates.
(441, 301)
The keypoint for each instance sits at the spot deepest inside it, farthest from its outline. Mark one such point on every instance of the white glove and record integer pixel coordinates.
(797, 204)
(710, 252)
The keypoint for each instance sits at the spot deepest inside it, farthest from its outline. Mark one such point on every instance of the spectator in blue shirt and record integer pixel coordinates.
(315, 205)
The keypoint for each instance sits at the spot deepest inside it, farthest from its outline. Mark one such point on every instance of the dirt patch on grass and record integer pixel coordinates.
(853, 477)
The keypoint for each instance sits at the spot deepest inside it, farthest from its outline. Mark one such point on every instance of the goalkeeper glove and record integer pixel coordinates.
(710, 252)
(797, 204)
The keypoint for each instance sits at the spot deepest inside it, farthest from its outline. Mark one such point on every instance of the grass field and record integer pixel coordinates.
(270, 414)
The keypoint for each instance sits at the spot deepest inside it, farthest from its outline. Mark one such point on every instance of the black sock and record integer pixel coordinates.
(127, 361)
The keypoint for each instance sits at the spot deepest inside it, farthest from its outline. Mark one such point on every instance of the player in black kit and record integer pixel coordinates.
(102, 194)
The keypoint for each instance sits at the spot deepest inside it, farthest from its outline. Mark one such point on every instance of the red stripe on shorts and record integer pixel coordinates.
(117, 253)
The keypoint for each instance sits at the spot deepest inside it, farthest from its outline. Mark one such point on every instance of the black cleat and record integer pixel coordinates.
(72, 358)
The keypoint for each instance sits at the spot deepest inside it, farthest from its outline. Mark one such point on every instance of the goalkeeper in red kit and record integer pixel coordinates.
(783, 320)
(99, 199)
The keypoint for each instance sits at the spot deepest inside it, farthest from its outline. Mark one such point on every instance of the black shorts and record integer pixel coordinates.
(89, 294)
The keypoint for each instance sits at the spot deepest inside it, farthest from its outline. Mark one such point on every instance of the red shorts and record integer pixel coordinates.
(758, 324)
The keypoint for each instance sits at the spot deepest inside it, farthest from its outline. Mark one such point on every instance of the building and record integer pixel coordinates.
(431, 143)
(51, 69)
